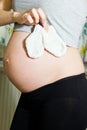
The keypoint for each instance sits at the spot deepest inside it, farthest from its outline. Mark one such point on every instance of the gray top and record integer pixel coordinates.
(66, 16)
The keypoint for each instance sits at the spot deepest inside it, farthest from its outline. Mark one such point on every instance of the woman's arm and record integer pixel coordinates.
(30, 17)
(6, 17)
(5, 4)
(5, 13)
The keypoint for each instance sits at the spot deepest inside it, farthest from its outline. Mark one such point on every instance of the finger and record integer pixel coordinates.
(42, 18)
(35, 15)
(29, 18)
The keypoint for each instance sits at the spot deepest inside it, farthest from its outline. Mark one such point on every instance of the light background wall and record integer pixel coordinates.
(9, 97)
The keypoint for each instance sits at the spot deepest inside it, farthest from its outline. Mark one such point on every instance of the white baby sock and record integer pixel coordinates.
(53, 43)
(34, 44)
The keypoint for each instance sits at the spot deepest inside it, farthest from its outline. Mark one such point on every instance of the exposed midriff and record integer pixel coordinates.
(29, 74)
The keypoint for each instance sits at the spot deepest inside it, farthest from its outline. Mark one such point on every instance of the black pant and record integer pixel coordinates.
(61, 105)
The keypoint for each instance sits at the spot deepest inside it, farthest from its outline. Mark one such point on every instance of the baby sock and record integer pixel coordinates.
(34, 43)
(53, 43)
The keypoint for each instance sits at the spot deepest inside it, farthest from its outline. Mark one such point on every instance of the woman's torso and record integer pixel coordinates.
(29, 74)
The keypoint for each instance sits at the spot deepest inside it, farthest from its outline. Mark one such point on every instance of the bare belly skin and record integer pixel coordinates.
(29, 74)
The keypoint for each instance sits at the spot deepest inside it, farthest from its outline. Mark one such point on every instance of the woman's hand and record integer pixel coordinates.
(31, 17)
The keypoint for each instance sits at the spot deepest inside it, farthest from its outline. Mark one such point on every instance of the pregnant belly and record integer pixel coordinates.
(29, 74)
